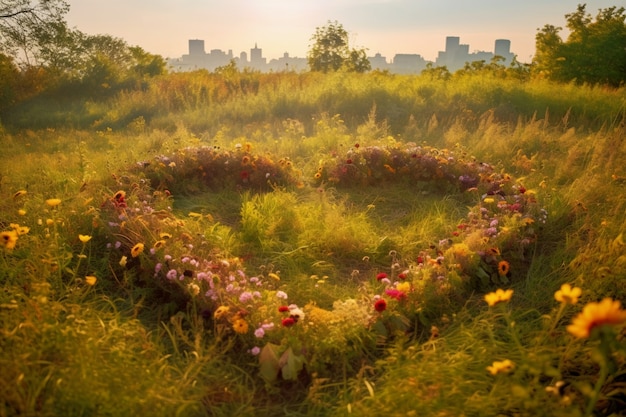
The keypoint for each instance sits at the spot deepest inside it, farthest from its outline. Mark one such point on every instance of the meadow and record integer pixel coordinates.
(304, 244)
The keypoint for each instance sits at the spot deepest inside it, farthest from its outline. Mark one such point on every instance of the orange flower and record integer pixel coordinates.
(503, 268)
(498, 296)
(607, 311)
(240, 326)
(567, 294)
(53, 202)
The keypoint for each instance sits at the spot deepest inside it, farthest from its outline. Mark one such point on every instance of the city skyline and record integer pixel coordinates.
(388, 27)
(454, 57)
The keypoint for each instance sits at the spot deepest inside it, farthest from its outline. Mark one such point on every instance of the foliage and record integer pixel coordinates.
(25, 26)
(593, 52)
(331, 51)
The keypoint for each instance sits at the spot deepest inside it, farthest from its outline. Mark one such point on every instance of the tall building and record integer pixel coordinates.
(196, 47)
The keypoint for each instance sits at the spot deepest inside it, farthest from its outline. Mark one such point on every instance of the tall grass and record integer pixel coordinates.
(188, 210)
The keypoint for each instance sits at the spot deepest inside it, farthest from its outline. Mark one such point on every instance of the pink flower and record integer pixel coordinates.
(395, 294)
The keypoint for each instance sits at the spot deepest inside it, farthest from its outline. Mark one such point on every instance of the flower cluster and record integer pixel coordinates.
(212, 166)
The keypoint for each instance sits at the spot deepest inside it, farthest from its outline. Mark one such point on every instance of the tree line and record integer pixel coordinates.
(40, 54)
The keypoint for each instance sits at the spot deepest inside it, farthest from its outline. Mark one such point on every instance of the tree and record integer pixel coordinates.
(593, 53)
(331, 51)
(26, 24)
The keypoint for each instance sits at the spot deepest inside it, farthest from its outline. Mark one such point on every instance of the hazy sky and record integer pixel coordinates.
(387, 26)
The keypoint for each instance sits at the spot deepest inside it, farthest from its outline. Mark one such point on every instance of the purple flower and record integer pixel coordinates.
(260, 332)
(255, 350)
(158, 267)
(245, 297)
(172, 274)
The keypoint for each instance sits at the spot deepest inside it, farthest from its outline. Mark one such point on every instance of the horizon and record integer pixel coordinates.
(388, 27)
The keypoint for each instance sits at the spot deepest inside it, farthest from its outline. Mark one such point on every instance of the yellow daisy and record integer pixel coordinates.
(504, 366)
(91, 280)
(606, 312)
(136, 250)
(53, 202)
(567, 294)
(498, 296)
(8, 239)
(84, 238)
(240, 326)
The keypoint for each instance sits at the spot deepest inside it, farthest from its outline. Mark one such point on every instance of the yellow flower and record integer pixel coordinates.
(20, 230)
(159, 244)
(21, 212)
(19, 193)
(221, 312)
(240, 326)
(405, 287)
(84, 238)
(49, 222)
(504, 366)
(488, 200)
(123, 261)
(8, 239)
(136, 250)
(273, 276)
(498, 296)
(91, 280)
(607, 311)
(53, 202)
(165, 235)
(567, 294)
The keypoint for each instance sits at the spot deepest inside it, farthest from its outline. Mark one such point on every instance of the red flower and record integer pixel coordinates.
(283, 309)
(380, 305)
(420, 260)
(381, 275)
(244, 175)
(288, 322)
(522, 189)
(402, 275)
(356, 145)
(349, 161)
(395, 294)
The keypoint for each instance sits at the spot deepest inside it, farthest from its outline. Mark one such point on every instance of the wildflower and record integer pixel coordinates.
(21, 212)
(245, 160)
(404, 287)
(567, 294)
(91, 280)
(123, 261)
(402, 275)
(381, 276)
(395, 294)
(136, 250)
(283, 309)
(240, 326)
(288, 322)
(84, 238)
(53, 202)
(20, 230)
(259, 333)
(498, 296)
(194, 289)
(295, 313)
(488, 200)
(255, 350)
(504, 366)
(8, 239)
(165, 236)
(221, 312)
(317, 175)
(607, 311)
(171, 274)
(20, 193)
(274, 277)
(159, 244)
(281, 294)
(380, 305)
(503, 268)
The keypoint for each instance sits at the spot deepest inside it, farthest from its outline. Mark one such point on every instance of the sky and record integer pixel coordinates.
(388, 27)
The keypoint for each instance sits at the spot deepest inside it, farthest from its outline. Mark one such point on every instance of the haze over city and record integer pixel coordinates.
(387, 27)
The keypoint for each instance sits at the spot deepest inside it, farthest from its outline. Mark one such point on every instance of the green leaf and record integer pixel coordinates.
(268, 360)
(291, 364)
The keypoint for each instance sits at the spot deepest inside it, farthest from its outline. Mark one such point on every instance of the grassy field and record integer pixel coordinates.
(315, 245)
